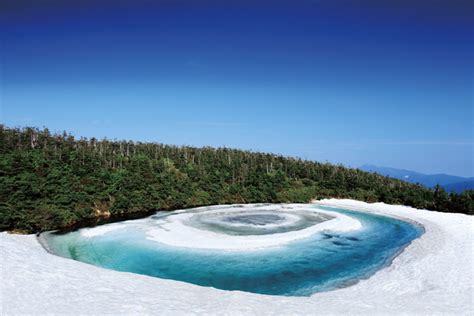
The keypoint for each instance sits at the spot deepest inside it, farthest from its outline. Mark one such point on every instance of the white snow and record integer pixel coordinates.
(433, 275)
(100, 230)
(174, 231)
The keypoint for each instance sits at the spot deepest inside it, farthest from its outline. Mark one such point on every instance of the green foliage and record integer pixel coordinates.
(50, 181)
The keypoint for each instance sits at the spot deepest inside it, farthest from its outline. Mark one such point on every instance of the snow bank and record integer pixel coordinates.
(433, 275)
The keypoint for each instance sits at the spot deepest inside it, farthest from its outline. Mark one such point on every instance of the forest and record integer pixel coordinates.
(55, 180)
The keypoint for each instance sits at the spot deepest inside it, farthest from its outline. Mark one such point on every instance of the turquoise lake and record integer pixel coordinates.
(326, 260)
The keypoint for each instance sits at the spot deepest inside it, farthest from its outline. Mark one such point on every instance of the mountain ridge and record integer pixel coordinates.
(448, 182)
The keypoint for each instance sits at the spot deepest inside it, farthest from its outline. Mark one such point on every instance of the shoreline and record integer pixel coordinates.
(431, 275)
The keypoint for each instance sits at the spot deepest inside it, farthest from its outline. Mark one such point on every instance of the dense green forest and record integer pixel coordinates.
(50, 181)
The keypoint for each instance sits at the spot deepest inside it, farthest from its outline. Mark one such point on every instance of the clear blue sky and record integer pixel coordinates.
(354, 82)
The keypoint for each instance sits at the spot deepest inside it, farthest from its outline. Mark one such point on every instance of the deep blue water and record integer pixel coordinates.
(322, 262)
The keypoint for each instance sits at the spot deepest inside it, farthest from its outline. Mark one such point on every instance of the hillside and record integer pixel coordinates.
(50, 181)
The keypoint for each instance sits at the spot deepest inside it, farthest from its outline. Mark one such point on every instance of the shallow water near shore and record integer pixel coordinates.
(328, 259)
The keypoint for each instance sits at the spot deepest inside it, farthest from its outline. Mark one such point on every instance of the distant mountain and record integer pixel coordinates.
(448, 182)
(459, 187)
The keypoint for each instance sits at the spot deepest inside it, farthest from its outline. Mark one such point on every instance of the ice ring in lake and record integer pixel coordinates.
(270, 249)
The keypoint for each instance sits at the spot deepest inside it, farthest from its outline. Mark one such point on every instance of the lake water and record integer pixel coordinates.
(328, 259)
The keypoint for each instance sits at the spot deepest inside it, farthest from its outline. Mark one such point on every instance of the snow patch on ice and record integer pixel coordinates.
(100, 230)
(173, 231)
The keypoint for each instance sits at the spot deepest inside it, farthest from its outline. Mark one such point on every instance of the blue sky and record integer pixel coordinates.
(353, 82)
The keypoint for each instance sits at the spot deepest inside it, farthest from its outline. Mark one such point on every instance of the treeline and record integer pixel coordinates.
(50, 181)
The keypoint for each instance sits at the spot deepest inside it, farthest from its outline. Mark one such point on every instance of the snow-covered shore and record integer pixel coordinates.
(433, 275)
